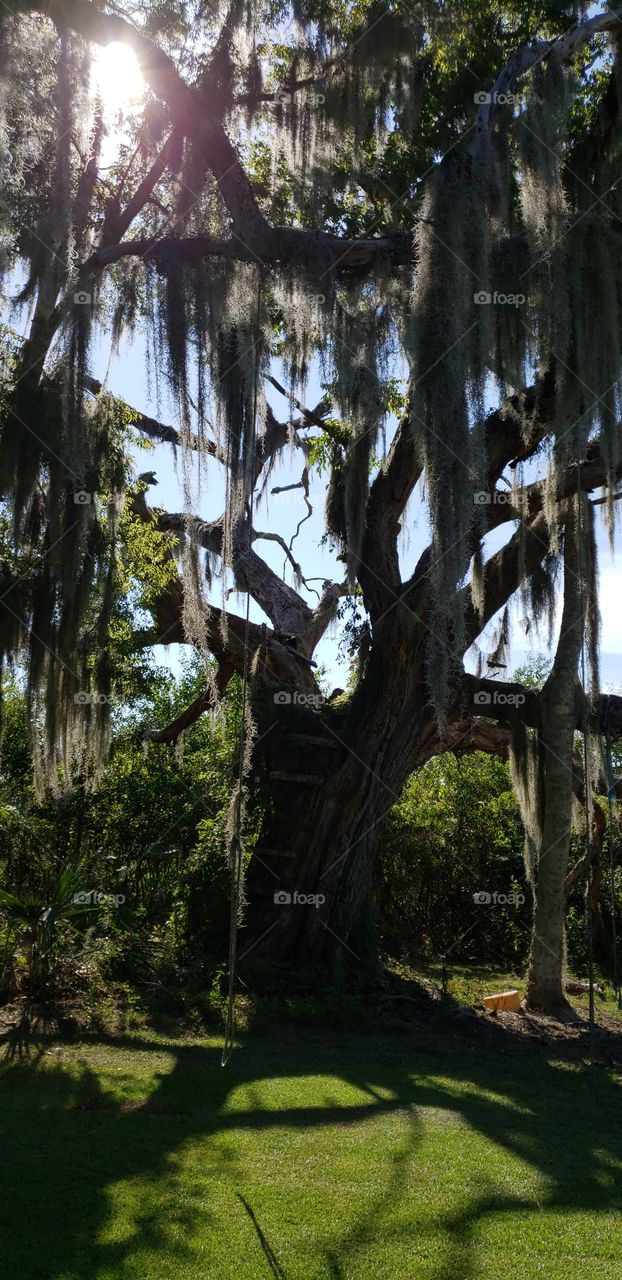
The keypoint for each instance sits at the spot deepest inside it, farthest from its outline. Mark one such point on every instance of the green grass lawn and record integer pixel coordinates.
(312, 1155)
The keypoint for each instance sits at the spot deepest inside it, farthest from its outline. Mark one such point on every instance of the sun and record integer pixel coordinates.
(116, 77)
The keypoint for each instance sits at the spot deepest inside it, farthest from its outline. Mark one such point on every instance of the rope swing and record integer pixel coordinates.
(586, 773)
(236, 851)
(611, 799)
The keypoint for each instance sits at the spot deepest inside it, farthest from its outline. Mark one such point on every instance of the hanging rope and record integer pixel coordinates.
(236, 852)
(586, 776)
(611, 797)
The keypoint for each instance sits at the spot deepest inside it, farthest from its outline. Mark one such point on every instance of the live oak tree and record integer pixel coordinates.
(369, 189)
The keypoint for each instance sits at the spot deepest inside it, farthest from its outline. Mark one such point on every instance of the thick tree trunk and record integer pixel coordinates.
(545, 978)
(559, 717)
(311, 873)
(331, 776)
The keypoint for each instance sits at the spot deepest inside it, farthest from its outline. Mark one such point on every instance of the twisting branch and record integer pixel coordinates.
(225, 632)
(158, 430)
(171, 732)
(257, 534)
(522, 60)
(512, 432)
(117, 223)
(272, 245)
(312, 417)
(288, 612)
(529, 500)
(508, 701)
(504, 572)
(205, 700)
(524, 551)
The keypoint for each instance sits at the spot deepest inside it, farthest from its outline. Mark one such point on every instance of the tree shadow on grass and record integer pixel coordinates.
(563, 1125)
(75, 1138)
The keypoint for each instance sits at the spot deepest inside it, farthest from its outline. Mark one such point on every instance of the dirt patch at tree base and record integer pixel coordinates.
(510, 1033)
(434, 1022)
(574, 1035)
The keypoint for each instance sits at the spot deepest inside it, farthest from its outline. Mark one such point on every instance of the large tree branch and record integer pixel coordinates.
(588, 475)
(189, 716)
(275, 245)
(200, 117)
(507, 701)
(564, 48)
(462, 737)
(378, 570)
(118, 221)
(287, 611)
(289, 614)
(504, 572)
(225, 669)
(511, 433)
(196, 112)
(225, 633)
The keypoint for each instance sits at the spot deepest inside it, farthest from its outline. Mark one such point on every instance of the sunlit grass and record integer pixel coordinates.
(336, 1157)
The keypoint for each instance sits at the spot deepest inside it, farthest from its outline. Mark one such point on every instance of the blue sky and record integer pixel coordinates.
(120, 82)
(126, 377)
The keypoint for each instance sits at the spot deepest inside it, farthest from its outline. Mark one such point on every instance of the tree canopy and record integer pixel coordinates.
(421, 202)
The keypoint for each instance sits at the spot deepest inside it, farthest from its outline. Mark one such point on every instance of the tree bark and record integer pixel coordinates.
(558, 720)
(332, 775)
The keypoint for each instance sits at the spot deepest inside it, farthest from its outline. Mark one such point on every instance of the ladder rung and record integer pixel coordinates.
(273, 853)
(314, 741)
(313, 779)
